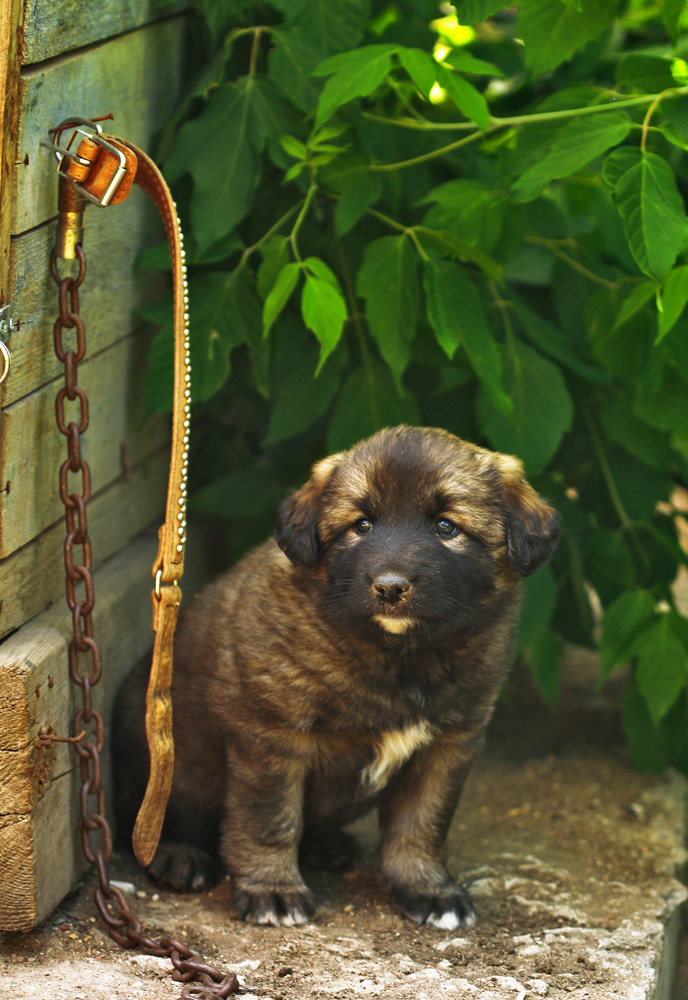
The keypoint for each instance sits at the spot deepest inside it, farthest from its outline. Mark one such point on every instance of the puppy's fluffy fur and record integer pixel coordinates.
(352, 663)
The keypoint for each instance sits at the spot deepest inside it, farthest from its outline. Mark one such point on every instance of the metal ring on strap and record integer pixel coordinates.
(6, 361)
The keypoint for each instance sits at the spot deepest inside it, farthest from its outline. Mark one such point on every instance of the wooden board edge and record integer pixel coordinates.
(11, 27)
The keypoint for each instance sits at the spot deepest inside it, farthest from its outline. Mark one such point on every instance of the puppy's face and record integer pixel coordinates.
(414, 531)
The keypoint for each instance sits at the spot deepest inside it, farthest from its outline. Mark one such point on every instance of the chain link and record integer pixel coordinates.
(88, 729)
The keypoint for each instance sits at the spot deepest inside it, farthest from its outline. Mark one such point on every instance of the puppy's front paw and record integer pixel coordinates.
(280, 908)
(183, 867)
(445, 907)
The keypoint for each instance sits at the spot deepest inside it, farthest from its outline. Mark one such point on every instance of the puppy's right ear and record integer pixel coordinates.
(296, 531)
(532, 524)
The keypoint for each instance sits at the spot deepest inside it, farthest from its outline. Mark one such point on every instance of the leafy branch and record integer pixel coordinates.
(524, 284)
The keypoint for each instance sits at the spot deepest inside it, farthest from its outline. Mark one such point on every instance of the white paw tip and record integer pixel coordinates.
(448, 921)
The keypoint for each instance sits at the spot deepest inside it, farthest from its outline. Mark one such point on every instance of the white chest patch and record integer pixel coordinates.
(394, 748)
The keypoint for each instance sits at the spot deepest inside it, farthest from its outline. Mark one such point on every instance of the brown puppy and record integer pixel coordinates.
(353, 663)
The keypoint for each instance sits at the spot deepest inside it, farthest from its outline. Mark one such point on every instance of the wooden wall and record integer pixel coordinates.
(56, 60)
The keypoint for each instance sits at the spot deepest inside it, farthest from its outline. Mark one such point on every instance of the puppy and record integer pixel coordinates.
(353, 662)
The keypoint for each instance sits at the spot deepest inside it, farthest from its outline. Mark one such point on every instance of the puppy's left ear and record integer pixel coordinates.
(296, 531)
(532, 525)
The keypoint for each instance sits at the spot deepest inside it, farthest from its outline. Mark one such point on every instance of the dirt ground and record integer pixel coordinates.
(570, 854)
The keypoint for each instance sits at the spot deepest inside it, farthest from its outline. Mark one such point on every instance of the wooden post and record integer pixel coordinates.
(11, 14)
(128, 61)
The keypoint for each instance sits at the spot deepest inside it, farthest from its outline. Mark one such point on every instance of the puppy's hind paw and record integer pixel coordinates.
(280, 908)
(183, 867)
(444, 909)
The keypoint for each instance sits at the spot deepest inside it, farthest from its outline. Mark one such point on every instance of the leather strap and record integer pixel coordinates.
(104, 169)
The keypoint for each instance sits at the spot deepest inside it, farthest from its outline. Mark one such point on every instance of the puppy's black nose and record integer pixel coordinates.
(390, 587)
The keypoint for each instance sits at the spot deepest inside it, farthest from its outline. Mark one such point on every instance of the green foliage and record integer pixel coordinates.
(397, 215)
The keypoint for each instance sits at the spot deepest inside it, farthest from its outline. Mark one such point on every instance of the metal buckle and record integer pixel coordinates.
(96, 135)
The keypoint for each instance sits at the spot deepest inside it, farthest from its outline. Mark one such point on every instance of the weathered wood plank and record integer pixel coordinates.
(136, 76)
(38, 807)
(33, 449)
(11, 13)
(32, 577)
(52, 28)
(110, 297)
(36, 858)
(17, 908)
(43, 781)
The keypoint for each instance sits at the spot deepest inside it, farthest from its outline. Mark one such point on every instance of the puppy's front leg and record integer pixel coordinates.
(415, 814)
(260, 836)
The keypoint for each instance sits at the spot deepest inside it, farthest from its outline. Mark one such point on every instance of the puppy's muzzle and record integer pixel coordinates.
(390, 588)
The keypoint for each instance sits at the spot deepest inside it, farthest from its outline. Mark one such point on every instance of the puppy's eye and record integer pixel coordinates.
(363, 526)
(446, 528)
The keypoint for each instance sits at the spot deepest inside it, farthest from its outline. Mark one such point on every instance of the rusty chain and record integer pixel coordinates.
(88, 730)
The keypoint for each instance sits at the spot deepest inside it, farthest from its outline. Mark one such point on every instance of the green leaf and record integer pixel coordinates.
(223, 183)
(617, 163)
(623, 426)
(554, 342)
(352, 74)
(661, 669)
(280, 294)
(544, 658)
(647, 73)
(290, 63)
(653, 214)
(624, 350)
(573, 616)
(388, 281)
(634, 301)
(225, 312)
(235, 123)
(275, 254)
(251, 491)
(672, 135)
(543, 410)
(537, 608)
(645, 743)
(671, 15)
(573, 147)
(299, 399)
(468, 208)
(155, 258)
(367, 402)
(472, 11)
(218, 251)
(272, 114)
(219, 15)
(159, 389)
(324, 312)
(609, 564)
(421, 67)
(294, 171)
(329, 27)
(624, 621)
(357, 193)
(464, 95)
(294, 147)
(664, 405)
(456, 314)
(465, 62)
(674, 298)
(444, 244)
(319, 268)
(552, 32)
(640, 486)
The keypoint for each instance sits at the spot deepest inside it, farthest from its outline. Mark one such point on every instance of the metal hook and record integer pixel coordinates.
(7, 361)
